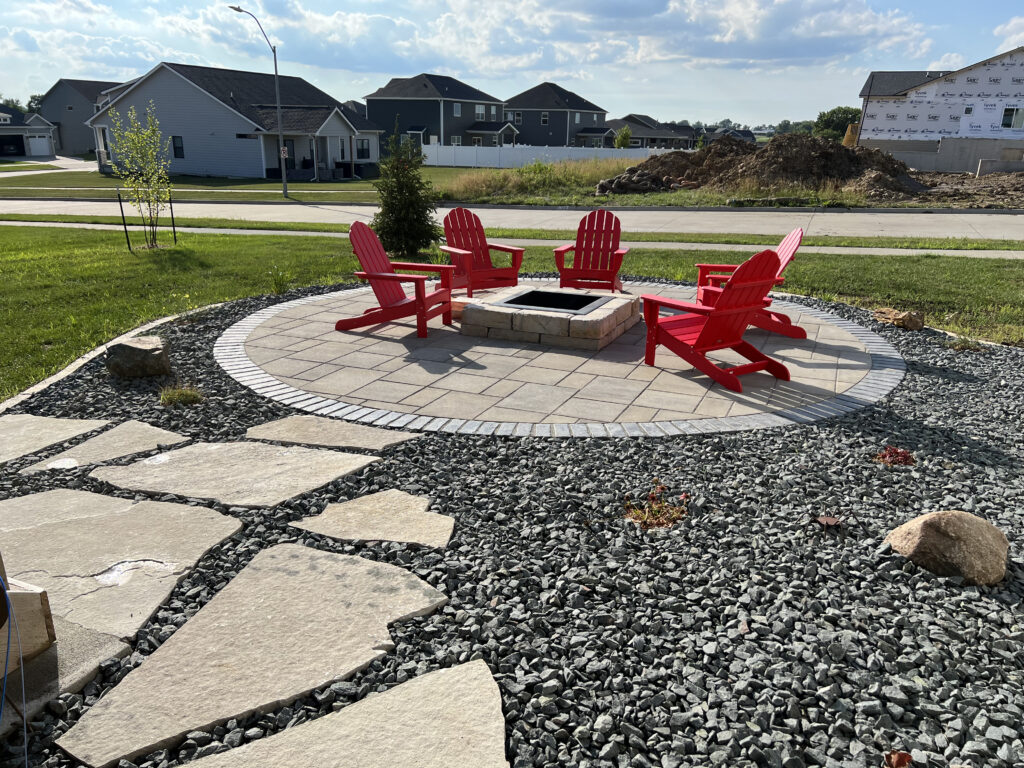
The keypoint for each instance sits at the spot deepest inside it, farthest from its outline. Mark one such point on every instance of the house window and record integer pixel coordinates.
(457, 109)
(5, 119)
(179, 146)
(543, 118)
(634, 142)
(519, 118)
(477, 142)
(1013, 117)
(362, 149)
(481, 113)
(494, 113)
(341, 147)
(70, 108)
(508, 117)
(968, 110)
(456, 141)
(577, 118)
(246, 136)
(595, 118)
(494, 139)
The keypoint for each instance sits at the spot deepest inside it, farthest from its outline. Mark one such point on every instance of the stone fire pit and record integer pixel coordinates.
(560, 318)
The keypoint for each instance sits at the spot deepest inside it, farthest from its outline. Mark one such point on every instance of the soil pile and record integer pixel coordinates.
(790, 160)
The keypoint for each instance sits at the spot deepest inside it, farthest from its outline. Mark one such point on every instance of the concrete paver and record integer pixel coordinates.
(447, 718)
(390, 515)
(291, 621)
(243, 474)
(316, 430)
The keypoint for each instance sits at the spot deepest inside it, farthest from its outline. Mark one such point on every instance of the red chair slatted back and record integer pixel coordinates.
(787, 248)
(741, 298)
(596, 239)
(372, 258)
(463, 230)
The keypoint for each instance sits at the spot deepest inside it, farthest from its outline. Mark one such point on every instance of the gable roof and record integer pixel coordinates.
(644, 129)
(427, 86)
(896, 83)
(647, 120)
(551, 96)
(88, 89)
(16, 115)
(252, 95)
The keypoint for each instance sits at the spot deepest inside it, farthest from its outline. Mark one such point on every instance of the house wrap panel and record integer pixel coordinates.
(965, 104)
(208, 128)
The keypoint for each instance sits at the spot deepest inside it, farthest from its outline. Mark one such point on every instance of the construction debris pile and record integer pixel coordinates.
(787, 161)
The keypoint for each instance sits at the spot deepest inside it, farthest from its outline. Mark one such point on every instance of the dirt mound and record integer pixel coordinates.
(795, 159)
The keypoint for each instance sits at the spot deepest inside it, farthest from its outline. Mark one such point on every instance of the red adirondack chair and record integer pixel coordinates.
(711, 278)
(471, 254)
(597, 257)
(394, 302)
(702, 328)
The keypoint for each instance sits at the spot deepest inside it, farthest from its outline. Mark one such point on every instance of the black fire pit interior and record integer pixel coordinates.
(554, 301)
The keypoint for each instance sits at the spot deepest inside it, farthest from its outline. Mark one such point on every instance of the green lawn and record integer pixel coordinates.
(6, 166)
(68, 291)
(498, 233)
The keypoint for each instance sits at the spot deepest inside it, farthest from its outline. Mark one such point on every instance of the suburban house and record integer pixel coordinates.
(548, 115)
(742, 134)
(436, 109)
(67, 105)
(971, 119)
(24, 135)
(645, 132)
(223, 122)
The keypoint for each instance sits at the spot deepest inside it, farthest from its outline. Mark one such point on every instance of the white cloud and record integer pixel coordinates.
(1012, 33)
(948, 61)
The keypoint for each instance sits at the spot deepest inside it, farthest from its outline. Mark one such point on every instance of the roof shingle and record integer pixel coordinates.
(551, 96)
(427, 86)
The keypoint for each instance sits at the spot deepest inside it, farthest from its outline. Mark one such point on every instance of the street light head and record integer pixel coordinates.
(236, 8)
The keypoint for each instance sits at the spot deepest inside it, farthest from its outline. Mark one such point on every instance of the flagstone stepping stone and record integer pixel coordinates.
(334, 433)
(107, 564)
(241, 474)
(123, 440)
(291, 621)
(386, 516)
(64, 667)
(21, 433)
(442, 719)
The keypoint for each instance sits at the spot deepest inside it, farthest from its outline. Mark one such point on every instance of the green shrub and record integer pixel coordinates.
(404, 223)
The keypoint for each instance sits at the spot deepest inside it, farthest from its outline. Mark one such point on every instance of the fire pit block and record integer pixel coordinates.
(561, 318)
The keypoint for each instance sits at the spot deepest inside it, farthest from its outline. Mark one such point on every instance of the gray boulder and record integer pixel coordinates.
(138, 357)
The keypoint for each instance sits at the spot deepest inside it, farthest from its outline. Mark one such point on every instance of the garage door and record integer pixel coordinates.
(38, 145)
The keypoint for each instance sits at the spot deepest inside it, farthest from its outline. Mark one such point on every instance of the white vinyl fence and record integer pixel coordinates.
(520, 155)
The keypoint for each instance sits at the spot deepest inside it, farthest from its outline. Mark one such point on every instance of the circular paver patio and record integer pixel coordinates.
(385, 375)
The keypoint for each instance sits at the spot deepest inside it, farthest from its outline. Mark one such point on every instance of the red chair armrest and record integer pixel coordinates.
(560, 252)
(704, 272)
(414, 266)
(451, 249)
(717, 281)
(682, 306)
(506, 248)
(391, 276)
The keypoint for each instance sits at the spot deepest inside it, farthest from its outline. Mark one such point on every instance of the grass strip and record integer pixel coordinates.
(68, 291)
(12, 167)
(498, 233)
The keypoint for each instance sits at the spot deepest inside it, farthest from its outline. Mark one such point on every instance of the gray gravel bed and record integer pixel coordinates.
(746, 635)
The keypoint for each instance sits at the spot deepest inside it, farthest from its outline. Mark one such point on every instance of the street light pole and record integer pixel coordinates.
(282, 163)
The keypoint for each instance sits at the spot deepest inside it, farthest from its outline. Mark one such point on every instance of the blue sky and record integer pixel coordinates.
(753, 61)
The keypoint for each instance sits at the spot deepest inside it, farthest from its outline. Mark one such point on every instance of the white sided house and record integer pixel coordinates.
(968, 120)
(223, 122)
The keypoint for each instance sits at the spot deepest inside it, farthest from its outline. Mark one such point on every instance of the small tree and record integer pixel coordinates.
(139, 158)
(404, 223)
(832, 124)
(622, 137)
(35, 101)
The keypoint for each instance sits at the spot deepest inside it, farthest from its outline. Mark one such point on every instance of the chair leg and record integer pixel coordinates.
(700, 361)
(776, 322)
(446, 316)
(752, 353)
(421, 310)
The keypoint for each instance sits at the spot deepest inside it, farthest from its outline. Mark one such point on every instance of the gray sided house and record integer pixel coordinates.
(24, 135)
(67, 105)
(548, 115)
(645, 131)
(223, 122)
(436, 109)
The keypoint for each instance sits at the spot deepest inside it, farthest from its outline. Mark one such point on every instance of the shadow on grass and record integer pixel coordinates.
(173, 258)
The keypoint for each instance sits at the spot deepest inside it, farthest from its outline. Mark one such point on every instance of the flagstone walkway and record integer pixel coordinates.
(385, 375)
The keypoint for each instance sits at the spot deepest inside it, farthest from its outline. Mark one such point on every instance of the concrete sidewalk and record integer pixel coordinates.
(852, 224)
(634, 244)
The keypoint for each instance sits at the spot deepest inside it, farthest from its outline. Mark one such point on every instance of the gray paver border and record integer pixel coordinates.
(887, 371)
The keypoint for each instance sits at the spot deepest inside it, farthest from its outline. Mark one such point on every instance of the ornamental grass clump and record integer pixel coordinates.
(895, 457)
(180, 395)
(657, 510)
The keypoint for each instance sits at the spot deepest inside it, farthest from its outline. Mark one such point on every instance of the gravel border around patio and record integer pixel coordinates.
(744, 636)
(887, 370)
